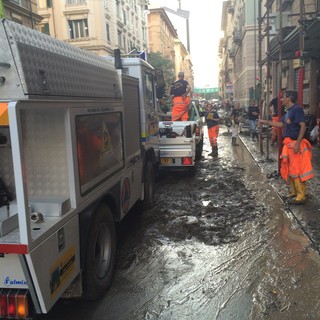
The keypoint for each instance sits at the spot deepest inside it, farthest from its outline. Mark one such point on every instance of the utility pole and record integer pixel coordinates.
(300, 55)
(268, 6)
(280, 84)
(260, 70)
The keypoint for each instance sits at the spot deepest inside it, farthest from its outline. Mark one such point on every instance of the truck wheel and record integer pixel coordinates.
(149, 182)
(100, 254)
(199, 149)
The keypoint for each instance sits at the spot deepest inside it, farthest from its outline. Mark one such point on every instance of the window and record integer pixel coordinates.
(124, 43)
(22, 3)
(75, 2)
(124, 13)
(144, 34)
(108, 32)
(45, 28)
(119, 39)
(78, 28)
(149, 93)
(118, 8)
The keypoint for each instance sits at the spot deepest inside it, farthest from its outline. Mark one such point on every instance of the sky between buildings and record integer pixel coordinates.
(205, 32)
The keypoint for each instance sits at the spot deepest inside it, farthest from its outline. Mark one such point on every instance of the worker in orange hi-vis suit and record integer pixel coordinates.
(296, 166)
(212, 119)
(180, 90)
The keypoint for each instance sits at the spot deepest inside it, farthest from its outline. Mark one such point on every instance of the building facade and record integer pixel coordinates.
(163, 38)
(239, 68)
(275, 46)
(161, 33)
(22, 11)
(98, 26)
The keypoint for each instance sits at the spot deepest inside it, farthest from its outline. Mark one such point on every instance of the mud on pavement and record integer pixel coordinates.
(218, 245)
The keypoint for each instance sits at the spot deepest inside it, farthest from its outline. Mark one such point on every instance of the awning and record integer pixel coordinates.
(291, 42)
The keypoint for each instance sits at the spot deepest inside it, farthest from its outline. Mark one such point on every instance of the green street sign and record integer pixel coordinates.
(206, 90)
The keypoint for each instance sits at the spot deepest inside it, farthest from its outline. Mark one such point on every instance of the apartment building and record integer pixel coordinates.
(98, 26)
(295, 50)
(287, 33)
(163, 38)
(22, 11)
(239, 73)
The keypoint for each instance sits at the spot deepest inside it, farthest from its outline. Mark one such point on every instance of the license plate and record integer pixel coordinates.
(165, 160)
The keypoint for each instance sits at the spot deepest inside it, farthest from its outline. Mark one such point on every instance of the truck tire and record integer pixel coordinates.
(100, 254)
(149, 185)
(199, 149)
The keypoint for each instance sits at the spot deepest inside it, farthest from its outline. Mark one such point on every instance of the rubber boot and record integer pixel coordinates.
(212, 152)
(256, 135)
(293, 191)
(252, 136)
(215, 151)
(234, 141)
(301, 192)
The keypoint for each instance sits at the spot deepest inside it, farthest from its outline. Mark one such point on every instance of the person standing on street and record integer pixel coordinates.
(180, 90)
(273, 107)
(253, 115)
(212, 119)
(296, 167)
(235, 118)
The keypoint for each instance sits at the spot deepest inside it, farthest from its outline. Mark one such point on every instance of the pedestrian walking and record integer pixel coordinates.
(295, 167)
(253, 115)
(212, 119)
(235, 118)
(180, 90)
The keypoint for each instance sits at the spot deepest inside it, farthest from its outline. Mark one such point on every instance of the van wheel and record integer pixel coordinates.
(149, 184)
(100, 254)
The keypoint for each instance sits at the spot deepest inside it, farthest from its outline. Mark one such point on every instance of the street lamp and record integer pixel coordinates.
(183, 14)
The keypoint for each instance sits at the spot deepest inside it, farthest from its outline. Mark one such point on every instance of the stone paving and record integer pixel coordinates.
(307, 215)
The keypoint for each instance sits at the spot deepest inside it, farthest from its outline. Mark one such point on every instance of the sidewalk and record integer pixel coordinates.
(307, 215)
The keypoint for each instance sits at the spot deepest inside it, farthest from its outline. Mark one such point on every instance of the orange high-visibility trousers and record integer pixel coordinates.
(296, 165)
(180, 108)
(213, 135)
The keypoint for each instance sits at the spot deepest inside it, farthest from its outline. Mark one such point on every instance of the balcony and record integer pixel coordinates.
(231, 9)
(237, 36)
(232, 53)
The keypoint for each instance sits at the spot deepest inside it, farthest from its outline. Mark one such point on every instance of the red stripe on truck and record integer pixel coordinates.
(14, 248)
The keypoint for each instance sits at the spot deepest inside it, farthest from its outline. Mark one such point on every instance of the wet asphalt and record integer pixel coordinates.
(220, 244)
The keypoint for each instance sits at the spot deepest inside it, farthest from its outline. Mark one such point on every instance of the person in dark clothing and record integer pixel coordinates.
(212, 119)
(296, 166)
(273, 107)
(235, 118)
(180, 90)
(253, 115)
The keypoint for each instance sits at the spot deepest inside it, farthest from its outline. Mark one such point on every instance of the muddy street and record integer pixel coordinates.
(218, 245)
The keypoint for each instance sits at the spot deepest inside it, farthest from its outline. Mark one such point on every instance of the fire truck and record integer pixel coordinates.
(79, 147)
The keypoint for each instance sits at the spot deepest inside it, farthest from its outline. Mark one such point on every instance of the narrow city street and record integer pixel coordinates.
(219, 245)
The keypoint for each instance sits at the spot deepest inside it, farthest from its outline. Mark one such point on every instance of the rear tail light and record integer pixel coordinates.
(187, 161)
(14, 304)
